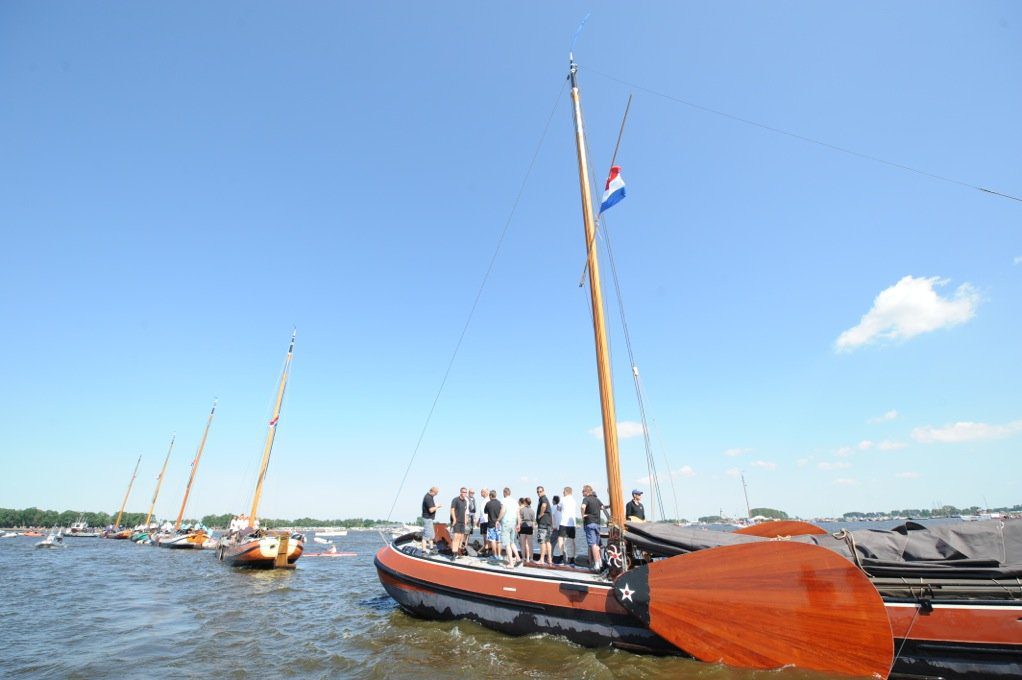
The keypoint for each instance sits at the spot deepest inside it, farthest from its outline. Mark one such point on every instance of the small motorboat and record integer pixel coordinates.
(53, 540)
(33, 534)
(9, 534)
(317, 539)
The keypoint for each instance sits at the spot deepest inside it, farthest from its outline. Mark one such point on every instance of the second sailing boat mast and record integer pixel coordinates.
(610, 443)
(159, 483)
(272, 432)
(117, 523)
(195, 466)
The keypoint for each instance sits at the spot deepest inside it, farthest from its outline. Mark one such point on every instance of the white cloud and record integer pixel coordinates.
(909, 475)
(802, 462)
(733, 472)
(762, 464)
(839, 465)
(846, 481)
(626, 429)
(885, 418)
(683, 471)
(736, 452)
(908, 308)
(965, 432)
(869, 445)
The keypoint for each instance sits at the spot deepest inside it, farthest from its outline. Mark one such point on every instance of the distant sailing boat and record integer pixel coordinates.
(143, 533)
(117, 532)
(195, 538)
(251, 546)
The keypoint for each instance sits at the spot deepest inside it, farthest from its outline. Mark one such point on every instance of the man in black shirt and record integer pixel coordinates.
(459, 518)
(492, 511)
(634, 510)
(429, 506)
(591, 508)
(544, 525)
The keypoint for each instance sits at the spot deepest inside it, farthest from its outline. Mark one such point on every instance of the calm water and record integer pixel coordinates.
(113, 609)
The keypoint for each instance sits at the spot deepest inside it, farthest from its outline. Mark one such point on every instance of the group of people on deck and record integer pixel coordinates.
(242, 524)
(507, 526)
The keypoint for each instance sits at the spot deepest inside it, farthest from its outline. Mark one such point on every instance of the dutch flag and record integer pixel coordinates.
(615, 189)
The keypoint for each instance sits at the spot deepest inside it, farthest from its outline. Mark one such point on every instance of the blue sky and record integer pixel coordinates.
(181, 185)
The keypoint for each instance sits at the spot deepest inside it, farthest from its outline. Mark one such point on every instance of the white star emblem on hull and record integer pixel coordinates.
(626, 593)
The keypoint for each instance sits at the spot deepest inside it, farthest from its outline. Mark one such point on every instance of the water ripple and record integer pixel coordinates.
(112, 609)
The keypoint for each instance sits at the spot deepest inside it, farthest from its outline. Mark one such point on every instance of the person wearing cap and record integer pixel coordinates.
(634, 510)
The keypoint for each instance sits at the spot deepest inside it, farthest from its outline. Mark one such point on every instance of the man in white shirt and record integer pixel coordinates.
(566, 534)
(509, 525)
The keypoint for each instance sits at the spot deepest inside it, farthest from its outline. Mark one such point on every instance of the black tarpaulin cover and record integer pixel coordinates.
(987, 549)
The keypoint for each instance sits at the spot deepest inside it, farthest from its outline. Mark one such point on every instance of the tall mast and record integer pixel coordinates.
(120, 512)
(195, 466)
(745, 488)
(159, 482)
(610, 447)
(273, 430)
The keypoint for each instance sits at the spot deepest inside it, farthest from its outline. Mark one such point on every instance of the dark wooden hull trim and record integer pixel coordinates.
(590, 629)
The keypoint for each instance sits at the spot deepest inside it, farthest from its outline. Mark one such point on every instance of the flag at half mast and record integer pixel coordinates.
(615, 189)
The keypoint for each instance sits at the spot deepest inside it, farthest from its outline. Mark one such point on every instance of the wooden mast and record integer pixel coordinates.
(117, 524)
(610, 443)
(272, 432)
(159, 482)
(195, 466)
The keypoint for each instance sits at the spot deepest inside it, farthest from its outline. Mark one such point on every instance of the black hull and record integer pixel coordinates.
(432, 601)
(178, 546)
(956, 661)
(589, 629)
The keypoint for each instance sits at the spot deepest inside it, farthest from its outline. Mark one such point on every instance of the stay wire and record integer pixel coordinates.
(654, 478)
(478, 296)
(600, 222)
(810, 140)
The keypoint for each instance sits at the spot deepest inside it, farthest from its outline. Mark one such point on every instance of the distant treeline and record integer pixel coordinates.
(34, 517)
(220, 521)
(754, 512)
(942, 511)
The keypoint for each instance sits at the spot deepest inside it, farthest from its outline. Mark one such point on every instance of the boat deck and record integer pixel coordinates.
(531, 569)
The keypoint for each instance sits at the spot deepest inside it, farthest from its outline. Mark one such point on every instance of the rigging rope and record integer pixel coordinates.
(794, 135)
(670, 475)
(654, 479)
(478, 296)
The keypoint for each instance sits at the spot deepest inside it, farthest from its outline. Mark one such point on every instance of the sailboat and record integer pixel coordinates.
(251, 546)
(143, 533)
(195, 537)
(745, 601)
(116, 531)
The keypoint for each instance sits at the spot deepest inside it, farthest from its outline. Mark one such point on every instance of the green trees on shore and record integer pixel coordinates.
(34, 517)
(220, 521)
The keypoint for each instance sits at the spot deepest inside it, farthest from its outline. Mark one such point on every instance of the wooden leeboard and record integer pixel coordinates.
(282, 550)
(765, 605)
(785, 527)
